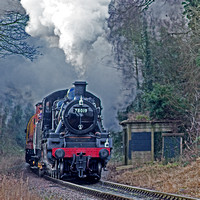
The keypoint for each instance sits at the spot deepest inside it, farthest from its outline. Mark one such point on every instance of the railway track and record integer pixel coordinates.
(110, 190)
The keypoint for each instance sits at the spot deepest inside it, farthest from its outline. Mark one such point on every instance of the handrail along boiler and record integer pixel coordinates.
(65, 137)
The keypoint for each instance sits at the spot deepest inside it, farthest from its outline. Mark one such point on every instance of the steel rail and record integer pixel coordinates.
(138, 193)
(147, 192)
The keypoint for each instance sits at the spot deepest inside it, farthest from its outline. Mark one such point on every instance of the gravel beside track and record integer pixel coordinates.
(49, 190)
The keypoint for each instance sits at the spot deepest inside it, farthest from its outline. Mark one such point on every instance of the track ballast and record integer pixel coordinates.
(110, 190)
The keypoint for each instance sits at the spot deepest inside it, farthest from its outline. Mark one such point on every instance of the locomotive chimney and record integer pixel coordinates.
(80, 88)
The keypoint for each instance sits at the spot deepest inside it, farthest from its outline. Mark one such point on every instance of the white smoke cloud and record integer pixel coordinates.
(72, 25)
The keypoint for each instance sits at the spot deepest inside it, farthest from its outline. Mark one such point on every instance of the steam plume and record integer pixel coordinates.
(72, 25)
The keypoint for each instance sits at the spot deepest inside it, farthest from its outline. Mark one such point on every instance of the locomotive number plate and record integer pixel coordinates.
(81, 110)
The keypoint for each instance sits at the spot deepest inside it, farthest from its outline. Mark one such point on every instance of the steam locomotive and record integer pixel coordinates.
(65, 136)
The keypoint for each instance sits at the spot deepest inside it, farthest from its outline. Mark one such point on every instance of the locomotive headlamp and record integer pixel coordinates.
(103, 153)
(59, 153)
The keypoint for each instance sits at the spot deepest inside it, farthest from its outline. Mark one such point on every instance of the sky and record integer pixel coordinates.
(85, 56)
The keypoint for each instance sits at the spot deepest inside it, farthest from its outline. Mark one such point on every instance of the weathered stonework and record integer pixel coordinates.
(139, 139)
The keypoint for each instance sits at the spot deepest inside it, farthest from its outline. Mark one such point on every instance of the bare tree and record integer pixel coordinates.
(13, 37)
(128, 35)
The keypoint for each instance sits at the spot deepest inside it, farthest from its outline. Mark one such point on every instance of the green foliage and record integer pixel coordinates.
(164, 103)
(13, 121)
(192, 12)
(197, 140)
(117, 146)
(167, 59)
(15, 124)
(162, 93)
(198, 60)
(122, 115)
(142, 117)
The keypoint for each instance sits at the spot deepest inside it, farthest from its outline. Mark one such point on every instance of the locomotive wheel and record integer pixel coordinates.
(99, 170)
(96, 177)
(61, 164)
(59, 169)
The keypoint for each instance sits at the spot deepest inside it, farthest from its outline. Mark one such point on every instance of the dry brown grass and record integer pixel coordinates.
(12, 184)
(170, 178)
(15, 189)
(10, 163)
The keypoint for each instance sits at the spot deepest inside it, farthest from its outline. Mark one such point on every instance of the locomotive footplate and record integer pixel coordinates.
(81, 164)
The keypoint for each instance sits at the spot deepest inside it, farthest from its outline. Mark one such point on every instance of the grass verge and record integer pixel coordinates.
(13, 188)
(171, 178)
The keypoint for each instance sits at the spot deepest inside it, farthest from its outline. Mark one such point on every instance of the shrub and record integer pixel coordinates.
(163, 103)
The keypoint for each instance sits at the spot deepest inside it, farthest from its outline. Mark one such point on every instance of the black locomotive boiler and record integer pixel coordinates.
(65, 137)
